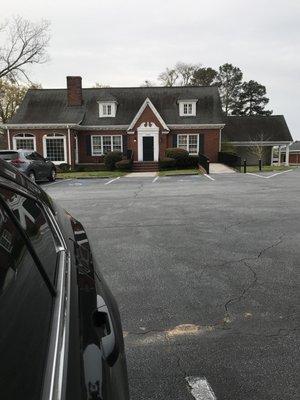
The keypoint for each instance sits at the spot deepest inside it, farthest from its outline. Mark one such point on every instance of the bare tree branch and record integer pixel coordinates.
(168, 77)
(24, 43)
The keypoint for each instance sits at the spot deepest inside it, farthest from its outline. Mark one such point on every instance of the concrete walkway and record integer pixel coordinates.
(218, 168)
(141, 175)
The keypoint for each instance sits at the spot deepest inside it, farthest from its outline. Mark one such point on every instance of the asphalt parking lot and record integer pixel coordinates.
(206, 274)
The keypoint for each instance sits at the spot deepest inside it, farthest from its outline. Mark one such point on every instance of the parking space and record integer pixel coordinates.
(205, 275)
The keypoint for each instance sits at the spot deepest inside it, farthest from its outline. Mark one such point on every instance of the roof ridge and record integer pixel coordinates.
(131, 87)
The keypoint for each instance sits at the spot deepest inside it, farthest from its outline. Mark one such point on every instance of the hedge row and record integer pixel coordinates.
(178, 158)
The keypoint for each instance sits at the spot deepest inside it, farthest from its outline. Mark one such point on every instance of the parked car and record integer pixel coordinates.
(31, 163)
(60, 329)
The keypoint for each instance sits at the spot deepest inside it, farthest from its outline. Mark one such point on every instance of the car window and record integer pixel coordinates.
(36, 225)
(39, 157)
(9, 155)
(25, 315)
(30, 156)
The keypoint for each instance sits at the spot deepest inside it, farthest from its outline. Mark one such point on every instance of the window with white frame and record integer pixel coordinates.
(55, 148)
(104, 144)
(187, 108)
(24, 141)
(189, 143)
(107, 109)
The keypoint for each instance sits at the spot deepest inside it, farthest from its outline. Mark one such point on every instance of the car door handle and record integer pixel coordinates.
(105, 331)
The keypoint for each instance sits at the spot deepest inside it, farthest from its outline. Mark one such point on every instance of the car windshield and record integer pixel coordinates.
(8, 155)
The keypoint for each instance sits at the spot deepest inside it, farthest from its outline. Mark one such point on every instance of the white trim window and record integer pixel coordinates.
(189, 143)
(187, 108)
(24, 141)
(107, 109)
(55, 148)
(102, 144)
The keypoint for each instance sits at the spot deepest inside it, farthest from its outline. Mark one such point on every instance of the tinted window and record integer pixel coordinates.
(9, 155)
(30, 156)
(39, 157)
(25, 312)
(35, 223)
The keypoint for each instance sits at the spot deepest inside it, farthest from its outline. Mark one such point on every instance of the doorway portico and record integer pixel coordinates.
(148, 142)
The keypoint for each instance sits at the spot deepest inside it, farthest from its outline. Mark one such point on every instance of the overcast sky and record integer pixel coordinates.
(122, 43)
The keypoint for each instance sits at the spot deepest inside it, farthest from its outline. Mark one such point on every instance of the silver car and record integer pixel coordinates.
(31, 163)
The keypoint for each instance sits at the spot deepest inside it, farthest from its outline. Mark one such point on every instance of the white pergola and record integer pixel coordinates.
(267, 143)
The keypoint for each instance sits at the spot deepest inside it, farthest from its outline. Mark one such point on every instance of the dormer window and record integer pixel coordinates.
(187, 108)
(107, 109)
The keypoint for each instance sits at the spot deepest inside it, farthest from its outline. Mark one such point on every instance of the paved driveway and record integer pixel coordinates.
(206, 273)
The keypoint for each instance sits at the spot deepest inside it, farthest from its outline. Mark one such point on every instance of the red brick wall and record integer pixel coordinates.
(82, 153)
(211, 141)
(295, 158)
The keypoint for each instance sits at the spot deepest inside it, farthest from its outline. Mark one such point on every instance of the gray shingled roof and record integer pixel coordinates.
(294, 146)
(247, 128)
(50, 105)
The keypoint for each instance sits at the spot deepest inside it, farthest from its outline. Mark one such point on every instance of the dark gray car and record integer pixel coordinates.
(31, 163)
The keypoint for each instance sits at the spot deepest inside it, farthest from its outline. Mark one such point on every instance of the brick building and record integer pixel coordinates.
(78, 126)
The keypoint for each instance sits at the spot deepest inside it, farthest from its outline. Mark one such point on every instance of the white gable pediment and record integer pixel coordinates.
(149, 103)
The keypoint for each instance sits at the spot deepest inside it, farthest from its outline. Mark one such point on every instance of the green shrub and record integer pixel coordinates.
(167, 163)
(193, 161)
(111, 158)
(64, 167)
(124, 165)
(181, 156)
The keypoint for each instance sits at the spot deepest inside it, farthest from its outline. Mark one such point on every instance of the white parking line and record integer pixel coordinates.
(54, 183)
(112, 180)
(155, 179)
(200, 388)
(279, 173)
(209, 177)
(259, 176)
(270, 176)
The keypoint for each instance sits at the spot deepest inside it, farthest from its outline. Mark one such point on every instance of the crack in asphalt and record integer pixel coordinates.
(253, 281)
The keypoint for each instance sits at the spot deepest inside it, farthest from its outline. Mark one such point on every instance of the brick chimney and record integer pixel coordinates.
(74, 90)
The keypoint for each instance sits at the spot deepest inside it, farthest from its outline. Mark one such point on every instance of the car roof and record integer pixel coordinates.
(12, 177)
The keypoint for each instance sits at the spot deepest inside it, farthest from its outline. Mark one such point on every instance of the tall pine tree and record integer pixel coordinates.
(252, 100)
(204, 77)
(229, 80)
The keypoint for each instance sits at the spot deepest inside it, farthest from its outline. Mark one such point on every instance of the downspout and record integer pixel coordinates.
(220, 139)
(8, 138)
(69, 145)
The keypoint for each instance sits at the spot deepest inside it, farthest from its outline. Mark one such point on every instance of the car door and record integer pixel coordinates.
(45, 166)
(26, 295)
(104, 372)
(34, 164)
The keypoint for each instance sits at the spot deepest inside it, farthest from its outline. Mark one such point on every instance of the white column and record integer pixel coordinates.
(287, 155)
(279, 155)
(272, 155)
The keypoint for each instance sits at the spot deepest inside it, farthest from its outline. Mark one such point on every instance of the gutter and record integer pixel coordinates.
(261, 143)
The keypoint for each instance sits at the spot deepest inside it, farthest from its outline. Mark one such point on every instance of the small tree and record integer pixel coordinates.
(24, 43)
(147, 83)
(11, 96)
(257, 149)
(101, 85)
(186, 72)
(168, 77)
